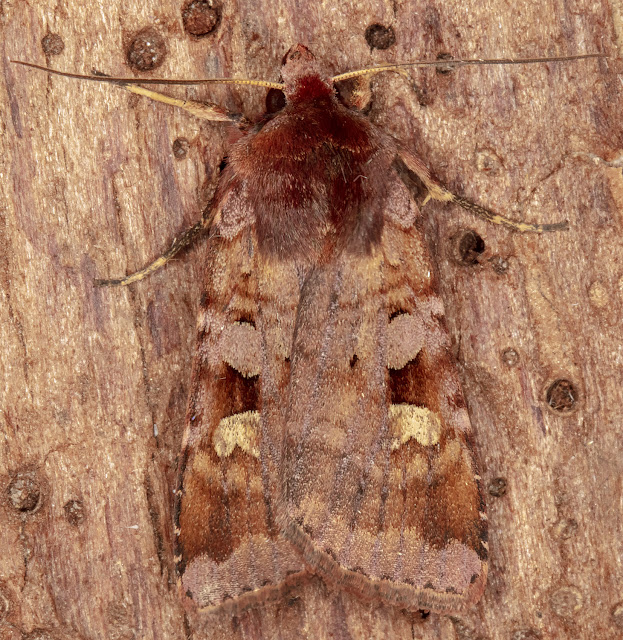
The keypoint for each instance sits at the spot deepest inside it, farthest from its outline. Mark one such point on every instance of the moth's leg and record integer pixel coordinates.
(203, 110)
(361, 93)
(185, 240)
(436, 191)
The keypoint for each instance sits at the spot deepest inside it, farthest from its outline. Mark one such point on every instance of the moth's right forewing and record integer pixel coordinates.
(381, 492)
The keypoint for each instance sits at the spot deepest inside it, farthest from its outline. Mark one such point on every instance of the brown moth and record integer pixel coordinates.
(326, 430)
(326, 427)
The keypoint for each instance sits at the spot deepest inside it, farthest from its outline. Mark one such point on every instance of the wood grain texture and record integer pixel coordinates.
(90, 186)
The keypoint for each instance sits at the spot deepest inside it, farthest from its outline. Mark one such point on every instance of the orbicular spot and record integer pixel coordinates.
(241, 429)
(240, 345)
(450, 456)
(408, 421)
(416, 469)
(405, 338)
(454, 461)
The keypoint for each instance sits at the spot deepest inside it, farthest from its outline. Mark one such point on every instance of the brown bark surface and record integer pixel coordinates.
(93, 382)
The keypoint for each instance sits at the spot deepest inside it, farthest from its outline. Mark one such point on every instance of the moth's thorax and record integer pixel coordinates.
(312, 178)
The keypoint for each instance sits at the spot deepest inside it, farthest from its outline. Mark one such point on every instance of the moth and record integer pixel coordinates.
(326, 430)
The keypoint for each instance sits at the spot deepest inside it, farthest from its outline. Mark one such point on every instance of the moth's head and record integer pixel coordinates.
(303, 76)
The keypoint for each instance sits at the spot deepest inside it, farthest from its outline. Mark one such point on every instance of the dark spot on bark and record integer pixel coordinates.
(497, 487)
(180, 148)
(379, 36)
(52, 44)
(444, 70)
(24, 492)
(200, 17)
(562, 396)
(526, 634)
(510, 357)
(470, 247)
(74, 512)
(488, 162)
(147, 50)
(500, 265)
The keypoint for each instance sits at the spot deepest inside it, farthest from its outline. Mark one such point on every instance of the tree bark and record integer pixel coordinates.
(96, 182)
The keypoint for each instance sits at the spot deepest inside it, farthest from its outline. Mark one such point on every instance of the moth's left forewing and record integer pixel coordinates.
(382, 494)
(230, 554)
